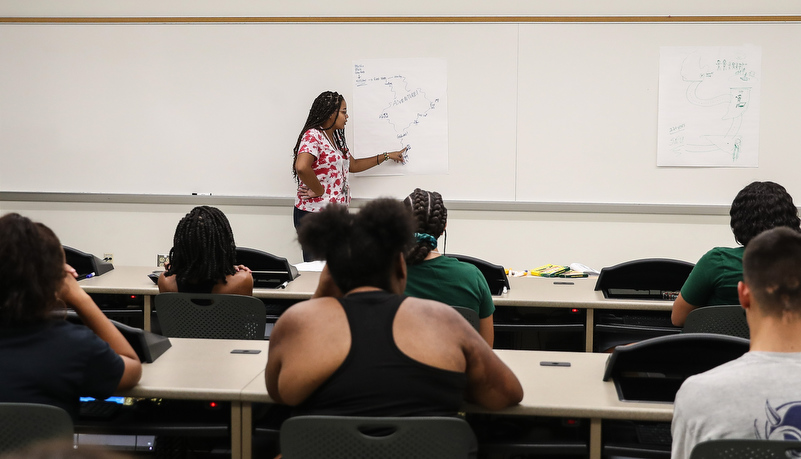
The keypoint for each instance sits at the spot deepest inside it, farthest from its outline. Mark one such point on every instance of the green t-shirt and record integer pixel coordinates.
(452, 282)
(713, 280)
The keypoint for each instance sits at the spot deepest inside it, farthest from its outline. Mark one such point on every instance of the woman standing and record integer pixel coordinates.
(322, 160)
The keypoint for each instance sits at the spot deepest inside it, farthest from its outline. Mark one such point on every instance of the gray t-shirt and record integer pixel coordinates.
(755, 396)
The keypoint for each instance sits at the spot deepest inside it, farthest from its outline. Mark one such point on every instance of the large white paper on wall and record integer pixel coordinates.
(709, 106)
(399, 103)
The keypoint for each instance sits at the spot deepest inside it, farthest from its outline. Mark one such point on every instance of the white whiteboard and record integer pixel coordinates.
(559, 112)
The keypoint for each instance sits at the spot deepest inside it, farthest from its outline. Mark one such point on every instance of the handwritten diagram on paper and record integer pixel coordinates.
(398, 103)
(709, 106)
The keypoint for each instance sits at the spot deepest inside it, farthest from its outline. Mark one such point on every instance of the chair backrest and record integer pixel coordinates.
(494, 274)
(470, 314)
(647, 278)
(746, 449)
(22, 424)
(654, 369)
(723, 320)
(215, 316)
(340, 437)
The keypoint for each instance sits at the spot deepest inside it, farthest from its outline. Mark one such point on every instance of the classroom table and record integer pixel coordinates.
(205, 369)
(577, 391)
(536, 292)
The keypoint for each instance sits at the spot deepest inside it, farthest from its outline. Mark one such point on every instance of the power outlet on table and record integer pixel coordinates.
(109, 257)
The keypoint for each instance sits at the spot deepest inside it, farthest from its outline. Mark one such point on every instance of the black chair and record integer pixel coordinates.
(148, 346)
(494, 274)
(654, 369)
(470, 314)
(211, 316)
(23, 424)
(341, 437)
(269, 271)
(650, 278)
(723, 320)
(746, 449)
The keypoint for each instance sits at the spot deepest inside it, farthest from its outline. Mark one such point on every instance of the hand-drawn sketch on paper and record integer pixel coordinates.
(709, 106)
(401, 103)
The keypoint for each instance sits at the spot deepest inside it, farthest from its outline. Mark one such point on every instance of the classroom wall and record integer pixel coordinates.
(136, 233)
(518, 239)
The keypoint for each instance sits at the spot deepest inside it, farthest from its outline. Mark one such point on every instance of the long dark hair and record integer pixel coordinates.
(203, 248)
(31, 271)
(430, 217)
(325, 105)
(360, 249)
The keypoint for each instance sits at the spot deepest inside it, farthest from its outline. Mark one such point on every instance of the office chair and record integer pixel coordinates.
(470, 314)
(209, 315)
(148, 346)
(268, 270)
(746, 449)
(494, 274)
(648, 278)
(654, 369)
(341, 437)
(723, 320)
(23, 424)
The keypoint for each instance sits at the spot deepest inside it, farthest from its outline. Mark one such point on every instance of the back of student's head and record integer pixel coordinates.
(360, 249)
(203, 247)
(761, 206)
(772, 270)
(430, 216)
(31, 270)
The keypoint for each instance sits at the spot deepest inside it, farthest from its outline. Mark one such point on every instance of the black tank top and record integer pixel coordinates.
(376, 378)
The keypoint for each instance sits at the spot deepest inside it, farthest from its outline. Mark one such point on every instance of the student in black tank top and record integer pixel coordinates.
(360, 347)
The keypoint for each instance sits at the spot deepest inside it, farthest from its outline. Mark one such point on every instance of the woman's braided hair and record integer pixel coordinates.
(203, 249)
(325, 105)
(430, 216)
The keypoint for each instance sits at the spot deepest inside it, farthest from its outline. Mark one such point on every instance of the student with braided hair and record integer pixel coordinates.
(369, 350)
(322, 160)
(444, 279)
(203, 257)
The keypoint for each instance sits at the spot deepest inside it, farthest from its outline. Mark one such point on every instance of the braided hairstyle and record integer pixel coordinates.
(31, 271)
(203, 249)
(325, 105)
(360, 249)
(430, 217)
(761, 206)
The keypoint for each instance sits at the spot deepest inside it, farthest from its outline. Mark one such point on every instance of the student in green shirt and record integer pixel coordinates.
(435, 277)
(758, 207)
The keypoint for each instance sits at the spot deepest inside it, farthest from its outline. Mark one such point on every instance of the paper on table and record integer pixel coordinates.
(315, 266)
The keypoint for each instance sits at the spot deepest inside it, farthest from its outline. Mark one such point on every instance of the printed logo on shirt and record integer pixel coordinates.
(782, 422)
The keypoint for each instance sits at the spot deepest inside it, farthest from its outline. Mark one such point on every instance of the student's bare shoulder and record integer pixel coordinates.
(314, 310)
(430, 309)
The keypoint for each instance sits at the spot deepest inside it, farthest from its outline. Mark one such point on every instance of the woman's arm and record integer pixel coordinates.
(303, 166)
(74, 296)
(681, 309)
(490, 383)
(362, 164)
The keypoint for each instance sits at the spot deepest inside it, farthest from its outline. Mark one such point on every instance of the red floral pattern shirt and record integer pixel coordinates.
(331, 167)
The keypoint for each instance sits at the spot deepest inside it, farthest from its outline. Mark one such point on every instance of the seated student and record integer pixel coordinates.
(374, 351)
(45, 359)
(444, 279)
(757, 395)
(713, 281)
(203, 257)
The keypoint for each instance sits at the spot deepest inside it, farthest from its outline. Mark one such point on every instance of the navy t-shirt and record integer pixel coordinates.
(55, 363)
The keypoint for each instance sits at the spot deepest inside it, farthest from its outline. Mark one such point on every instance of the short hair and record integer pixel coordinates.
(430, 217)
(203, 248)
(324, 105)
(772, 270)
(31, 271)
(360, 249)
(761, 206)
